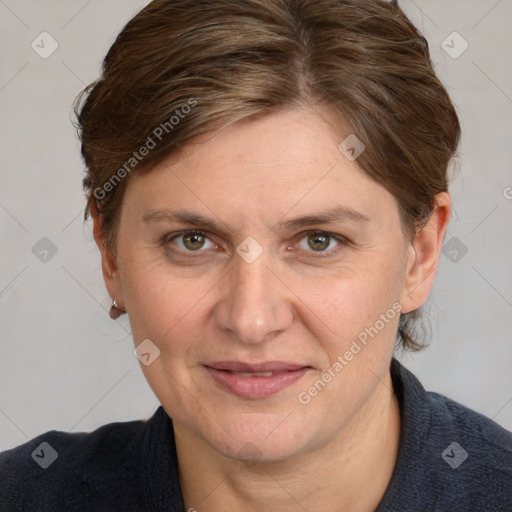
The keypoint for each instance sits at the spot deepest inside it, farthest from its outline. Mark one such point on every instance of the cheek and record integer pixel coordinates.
(156, 299)
(163, 306)
(355, 320)
(168, 310)
(345, 305)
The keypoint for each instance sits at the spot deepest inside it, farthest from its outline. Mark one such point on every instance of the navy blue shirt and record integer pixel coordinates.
(451, 459)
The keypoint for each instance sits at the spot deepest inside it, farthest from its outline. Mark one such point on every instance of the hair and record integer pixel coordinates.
(182, 68)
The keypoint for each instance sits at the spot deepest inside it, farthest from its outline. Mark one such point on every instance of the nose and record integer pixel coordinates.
(255, 303)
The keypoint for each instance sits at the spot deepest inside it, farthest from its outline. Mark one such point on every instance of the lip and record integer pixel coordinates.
(254, 387)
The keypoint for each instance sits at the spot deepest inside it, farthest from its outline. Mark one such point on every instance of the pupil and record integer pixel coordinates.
(197, 240)
(321, 241)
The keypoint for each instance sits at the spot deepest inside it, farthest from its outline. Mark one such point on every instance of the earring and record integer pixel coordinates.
(116, 311)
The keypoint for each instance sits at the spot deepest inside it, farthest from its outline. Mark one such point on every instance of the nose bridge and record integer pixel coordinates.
(255, 304)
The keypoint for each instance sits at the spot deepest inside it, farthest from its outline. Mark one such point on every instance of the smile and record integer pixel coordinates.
(255, 381)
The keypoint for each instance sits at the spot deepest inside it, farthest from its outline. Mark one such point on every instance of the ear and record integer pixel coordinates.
(424, 254)
(108, 262)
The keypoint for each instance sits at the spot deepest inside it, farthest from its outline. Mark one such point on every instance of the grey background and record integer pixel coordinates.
(65, 365)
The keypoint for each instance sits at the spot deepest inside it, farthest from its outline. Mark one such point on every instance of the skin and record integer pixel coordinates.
(287, 305)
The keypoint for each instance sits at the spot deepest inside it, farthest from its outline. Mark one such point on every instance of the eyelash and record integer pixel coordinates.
(342, 241)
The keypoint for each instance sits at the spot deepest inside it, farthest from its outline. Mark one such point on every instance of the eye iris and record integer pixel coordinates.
(196, 240)
(320, 241)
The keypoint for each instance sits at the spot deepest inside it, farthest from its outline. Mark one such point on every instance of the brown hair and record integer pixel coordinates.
(182, 68)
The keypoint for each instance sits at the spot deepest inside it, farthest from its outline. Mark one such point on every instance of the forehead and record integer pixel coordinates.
(287, 140)
(283, 162)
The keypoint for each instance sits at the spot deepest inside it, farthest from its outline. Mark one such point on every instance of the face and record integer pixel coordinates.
(251, 300)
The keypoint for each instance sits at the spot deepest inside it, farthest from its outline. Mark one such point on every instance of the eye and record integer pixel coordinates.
(190, 241)
(320, 241)
(197, 241)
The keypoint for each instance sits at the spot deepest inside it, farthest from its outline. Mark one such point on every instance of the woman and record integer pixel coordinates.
(267, 182)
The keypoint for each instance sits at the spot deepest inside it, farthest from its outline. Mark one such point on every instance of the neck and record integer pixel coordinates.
(333, 478)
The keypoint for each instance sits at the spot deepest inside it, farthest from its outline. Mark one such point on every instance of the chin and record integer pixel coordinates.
(259, 437)
(255, 451)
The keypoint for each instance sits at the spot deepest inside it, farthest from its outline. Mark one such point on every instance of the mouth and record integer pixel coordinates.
(255, 381)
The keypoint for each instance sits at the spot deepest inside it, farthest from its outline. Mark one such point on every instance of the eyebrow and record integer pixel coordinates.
(337, 214)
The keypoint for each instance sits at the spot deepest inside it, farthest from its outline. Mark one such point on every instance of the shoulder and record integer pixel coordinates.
(451, 457)
(58, 470)
(476, 456)
(473, 425)
(484, 440)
